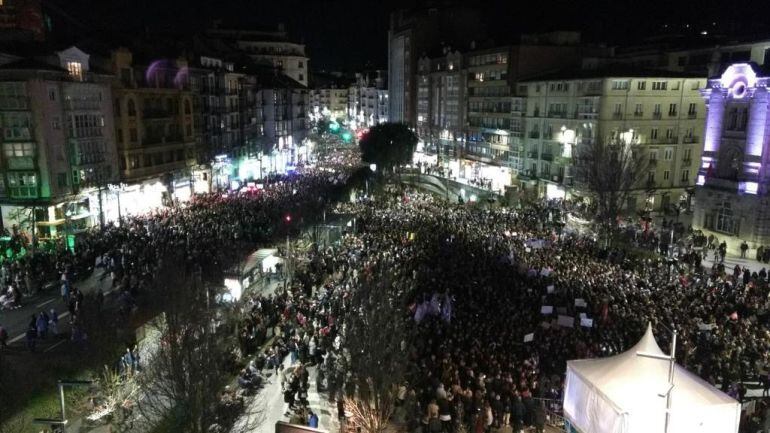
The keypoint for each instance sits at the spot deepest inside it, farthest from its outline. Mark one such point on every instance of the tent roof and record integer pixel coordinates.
(634, 382)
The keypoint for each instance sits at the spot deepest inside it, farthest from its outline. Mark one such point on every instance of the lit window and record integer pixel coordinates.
(75, 69)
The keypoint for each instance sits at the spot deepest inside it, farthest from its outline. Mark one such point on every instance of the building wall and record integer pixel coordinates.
(731, 196)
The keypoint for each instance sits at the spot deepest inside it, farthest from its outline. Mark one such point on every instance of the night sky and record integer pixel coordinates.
(350, 35)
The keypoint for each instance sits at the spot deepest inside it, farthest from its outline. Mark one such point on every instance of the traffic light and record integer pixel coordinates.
(287, 218)
(346, 136)
(334, 127)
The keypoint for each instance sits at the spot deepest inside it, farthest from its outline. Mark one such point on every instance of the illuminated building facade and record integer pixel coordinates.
(368, 99)
(732, 192)
(662, 112)
(58, 144)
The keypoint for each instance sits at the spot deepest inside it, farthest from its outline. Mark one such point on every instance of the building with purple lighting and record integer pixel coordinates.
(732, 184)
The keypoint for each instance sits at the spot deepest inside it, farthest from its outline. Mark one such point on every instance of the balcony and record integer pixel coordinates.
(653, 163)
(617, 115)
(638, 113)
(689, 140)
(657, 115)
(672, 114)
(686, 162)
(532, 155)
(692, 115)
(558, 114)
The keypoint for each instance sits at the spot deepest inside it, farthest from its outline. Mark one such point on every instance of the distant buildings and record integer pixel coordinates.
(90, 138)
(368, 99)
(268, 48)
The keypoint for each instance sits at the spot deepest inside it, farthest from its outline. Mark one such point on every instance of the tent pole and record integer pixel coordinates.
(671, 364)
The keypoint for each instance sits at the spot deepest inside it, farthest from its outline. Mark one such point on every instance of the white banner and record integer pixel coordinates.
(529, 337)
(546, 309)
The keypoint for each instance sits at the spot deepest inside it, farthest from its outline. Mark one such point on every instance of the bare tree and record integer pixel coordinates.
(611, 172)
(375, 332)
(185, 373)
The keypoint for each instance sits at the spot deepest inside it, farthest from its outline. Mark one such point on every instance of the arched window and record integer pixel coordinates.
(187, 109)
(723, 219)
(131, 108)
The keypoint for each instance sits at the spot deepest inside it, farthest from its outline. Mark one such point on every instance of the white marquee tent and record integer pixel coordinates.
(625, 393)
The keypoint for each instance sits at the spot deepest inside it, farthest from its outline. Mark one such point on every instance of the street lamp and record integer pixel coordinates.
(116, 189)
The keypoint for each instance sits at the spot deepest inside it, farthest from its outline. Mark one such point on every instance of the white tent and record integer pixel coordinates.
(625, 393)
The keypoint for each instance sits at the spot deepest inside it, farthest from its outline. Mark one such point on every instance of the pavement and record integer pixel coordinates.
(16, 321)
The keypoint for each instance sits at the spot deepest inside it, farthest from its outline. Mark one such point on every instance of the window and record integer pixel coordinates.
(654, 134)
(52, 93)
(656, 110)
(301, 77)
(668, 154)
(61, 180)
(682, 61)
(16, 126)
(76, 70)
(641, 85)
(131, 108)
(686, 154)
(651, 177)
(723, 220)
(56, 122)
(620, 84)
(685, 176)
(659, 85)
(18, 150)
(666, 174)
(691, 110)
(653, 155)
(672, 110)
(618, 109)
(132, 134)
(187, 109)
(300, 64)
(638, 110)
(22, 184)
(669, 133)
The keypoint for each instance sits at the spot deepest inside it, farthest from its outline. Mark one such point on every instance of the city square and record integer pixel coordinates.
(465, 221)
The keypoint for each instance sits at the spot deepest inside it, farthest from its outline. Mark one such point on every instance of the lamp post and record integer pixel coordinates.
(117, 188)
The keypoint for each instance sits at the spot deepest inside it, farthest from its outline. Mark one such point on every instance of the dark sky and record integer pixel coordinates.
(347, 34)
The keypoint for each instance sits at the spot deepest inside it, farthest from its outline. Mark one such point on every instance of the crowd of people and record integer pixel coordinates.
(499, 267)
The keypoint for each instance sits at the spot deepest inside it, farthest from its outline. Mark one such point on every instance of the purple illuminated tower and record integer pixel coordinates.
(732, 186)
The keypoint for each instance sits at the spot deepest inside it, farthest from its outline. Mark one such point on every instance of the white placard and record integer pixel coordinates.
(550, 289)
(588, 323)
(566, 321)
(583, 316)
(706, 326)
(580, 302)
(546, 309)
(529, 337)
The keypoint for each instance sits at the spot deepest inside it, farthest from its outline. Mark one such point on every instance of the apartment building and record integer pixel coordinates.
(330, 101)
(268, 47)
(733, 176)
(155, 130)
(441, 102)
(368, 100)
(58, 144)
(663, 113)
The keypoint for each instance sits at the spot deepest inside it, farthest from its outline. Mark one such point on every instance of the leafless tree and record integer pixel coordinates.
(611, 172)
(186, 372)
(375, 332)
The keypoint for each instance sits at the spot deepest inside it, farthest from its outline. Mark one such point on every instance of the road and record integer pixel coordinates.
(16, 321)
